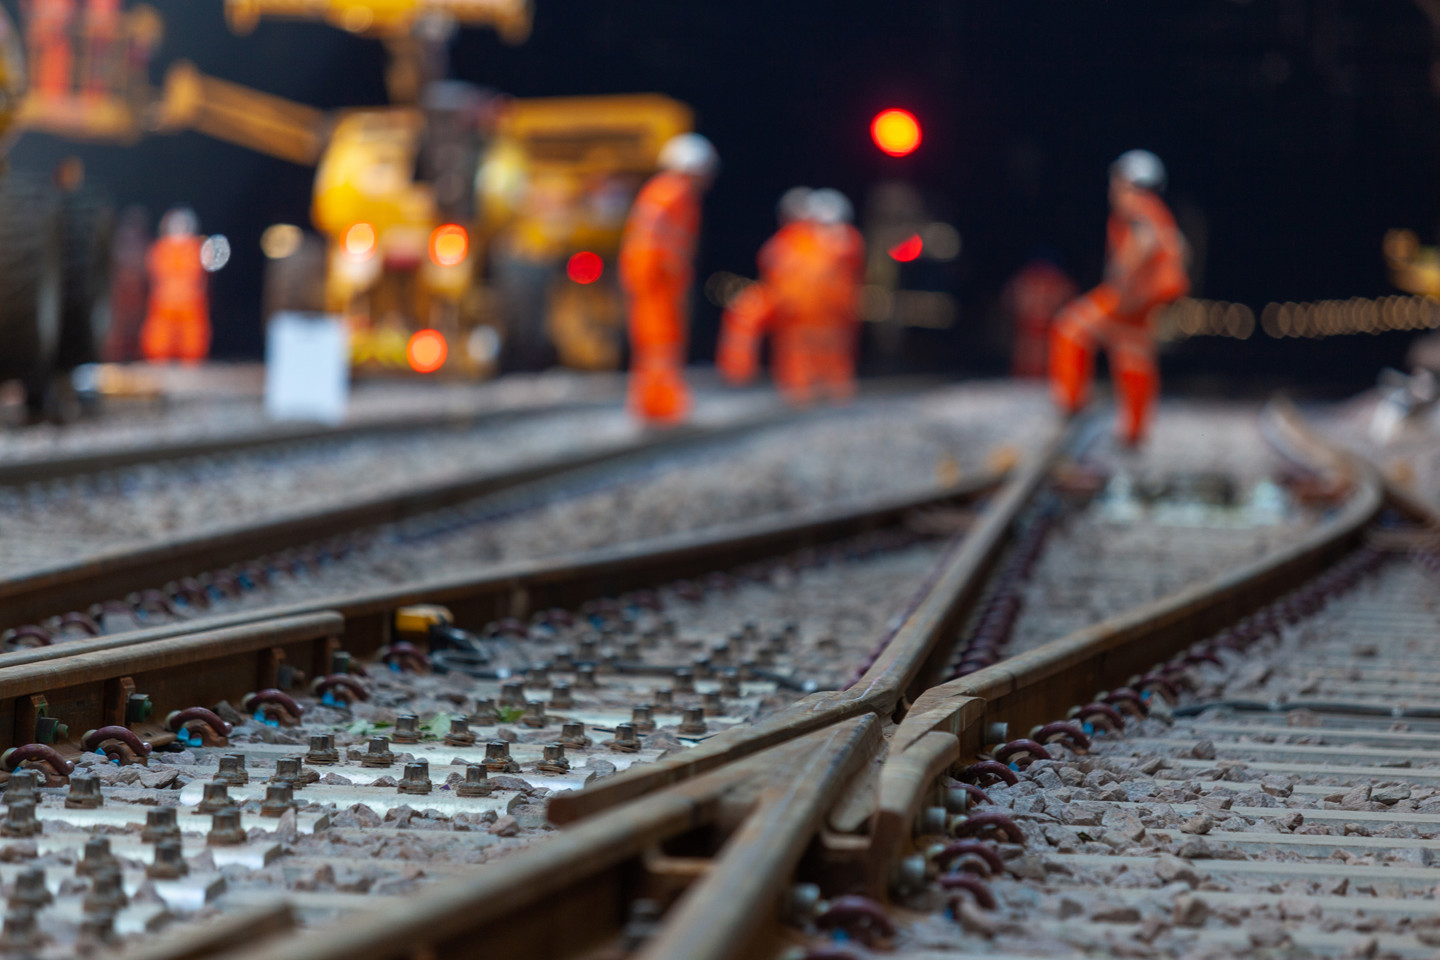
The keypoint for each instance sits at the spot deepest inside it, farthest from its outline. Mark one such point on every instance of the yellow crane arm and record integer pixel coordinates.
(387, 18)
(236, 114)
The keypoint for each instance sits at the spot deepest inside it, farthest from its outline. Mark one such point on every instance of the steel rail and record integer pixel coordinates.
(44, 469)
(75, 586)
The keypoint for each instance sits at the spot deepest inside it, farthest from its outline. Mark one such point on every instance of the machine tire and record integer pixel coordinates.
(31, 287)
(87, 243)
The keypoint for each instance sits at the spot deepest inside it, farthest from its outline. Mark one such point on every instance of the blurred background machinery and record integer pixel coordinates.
(488, 220)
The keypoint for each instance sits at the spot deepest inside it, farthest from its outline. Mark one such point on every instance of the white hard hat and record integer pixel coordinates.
(830, 207)
(179, 222)
(794, 205)
(690, 153)
(1140, 168)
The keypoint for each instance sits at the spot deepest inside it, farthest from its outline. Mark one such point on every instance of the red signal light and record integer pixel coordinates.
(907, 250)
(585, 267)
(426, 351)
(448, 244)
(895, 131)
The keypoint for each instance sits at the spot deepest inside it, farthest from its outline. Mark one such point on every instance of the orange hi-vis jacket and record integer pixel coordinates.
(49, 38)
(1145, 256)
(806, 299)
(177, 324)
(656, 257)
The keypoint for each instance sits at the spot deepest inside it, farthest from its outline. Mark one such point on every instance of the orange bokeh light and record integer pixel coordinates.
(895, 131)
(449, 243)
(426, 351)
(907, 250)
(585, 267)
(360, 240)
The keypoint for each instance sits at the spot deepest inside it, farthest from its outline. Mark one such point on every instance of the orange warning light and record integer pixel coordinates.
(426, 351)
(360, 240)
(585, 267)
(907, 250)
(895, 131)
(448, 245)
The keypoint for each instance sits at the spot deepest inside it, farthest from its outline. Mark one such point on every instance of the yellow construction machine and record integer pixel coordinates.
(451, 209)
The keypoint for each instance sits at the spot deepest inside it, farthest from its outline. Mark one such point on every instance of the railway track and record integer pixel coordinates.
(696, 852)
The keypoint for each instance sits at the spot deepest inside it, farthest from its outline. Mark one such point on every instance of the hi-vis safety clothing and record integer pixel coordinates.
(1145, 270)
(656, 255)
(805, 299)
(177, 325)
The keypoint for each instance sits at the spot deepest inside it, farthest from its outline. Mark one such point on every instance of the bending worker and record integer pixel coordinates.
(656, 267)
(810, 274)
(177, 323)
(1144, 271)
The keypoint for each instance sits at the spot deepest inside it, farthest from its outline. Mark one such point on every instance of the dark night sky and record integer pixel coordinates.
(1298, 129)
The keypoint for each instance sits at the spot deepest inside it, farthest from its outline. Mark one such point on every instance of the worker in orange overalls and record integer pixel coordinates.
(177, 324)
(1144, 271)
(1032, 298)
(806, 298)
(49, 39)
(103, 53)
(656, 266)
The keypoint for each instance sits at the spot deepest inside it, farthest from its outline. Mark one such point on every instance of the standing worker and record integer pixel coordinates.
(1144, 271)
(810, 273)
(50, 30)
(656, 265)
(177, 324)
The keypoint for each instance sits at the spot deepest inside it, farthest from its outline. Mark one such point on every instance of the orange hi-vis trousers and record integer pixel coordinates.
(1094, 320)
(657, 390)
(176, 331)
(814, 361)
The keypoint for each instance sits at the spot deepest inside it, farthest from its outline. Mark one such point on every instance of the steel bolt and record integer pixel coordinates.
(554, 761)
(216, 797)
(279, 797)
(572, 734)
(97, 857)
(287, 770)
(460, 734)
(693, 722)
(232, 770)
(535, 714)
(609, 662)
(642, 717)
(720, 654)
(322, 750)
(589, 648)
(585, 678)
(561, 697)
(476, 782)
(730, 684)
(407, 729)
(484, 713)
(106, 894)
(702, 668)
(712, 704)
(684, 680)
(564, 660)
(20, 932)
(378, 753)
(803, 903)
(664, 699)
(630, 650)
(748, 670)
(225, 829)
(932, 821)
(84, 793)
(20, 820)
(161, 823)
(512, 693)
(625, 740)
(416, 779)
(169, 862)
(23, 785)
(497, 758)
(539, 675)
(29, 890)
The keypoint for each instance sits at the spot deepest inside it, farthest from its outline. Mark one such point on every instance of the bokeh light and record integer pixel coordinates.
(585, 267)
(427, 351)
(895, 131)
(908, 249)
(449, 243)
(360, 240)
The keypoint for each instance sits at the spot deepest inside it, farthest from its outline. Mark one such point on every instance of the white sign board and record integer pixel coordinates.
(307, 367)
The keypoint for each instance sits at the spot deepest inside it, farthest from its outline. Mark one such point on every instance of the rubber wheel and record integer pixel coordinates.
(31, 280)
(87, 249)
